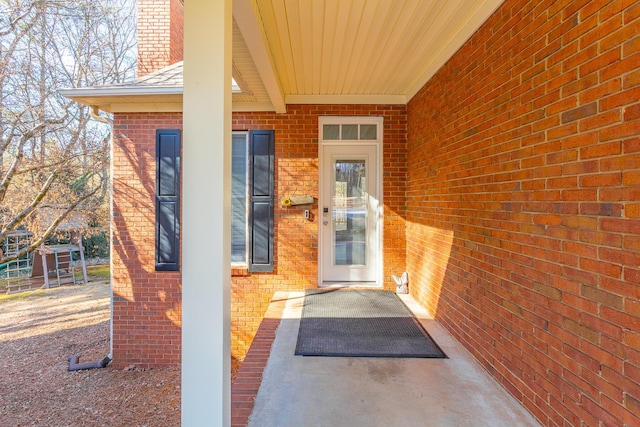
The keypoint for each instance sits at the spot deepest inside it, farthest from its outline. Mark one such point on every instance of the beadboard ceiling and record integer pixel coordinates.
(318, 52)
(348, 51)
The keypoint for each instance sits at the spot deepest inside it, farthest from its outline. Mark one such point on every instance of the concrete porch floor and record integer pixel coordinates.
(299, 391)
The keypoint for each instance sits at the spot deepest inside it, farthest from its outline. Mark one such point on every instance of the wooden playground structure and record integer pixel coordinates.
(49, 266)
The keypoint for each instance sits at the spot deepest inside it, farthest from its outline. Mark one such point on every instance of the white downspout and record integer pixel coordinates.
(95, 114)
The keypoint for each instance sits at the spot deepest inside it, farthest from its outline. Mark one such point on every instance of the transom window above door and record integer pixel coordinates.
(349, 132)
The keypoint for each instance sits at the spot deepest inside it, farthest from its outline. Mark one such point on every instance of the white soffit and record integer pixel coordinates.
(246, 73)
(249, 46)
(355, 51)
(319, 52)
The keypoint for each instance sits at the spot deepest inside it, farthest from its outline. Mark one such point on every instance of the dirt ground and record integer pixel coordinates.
(38, 333)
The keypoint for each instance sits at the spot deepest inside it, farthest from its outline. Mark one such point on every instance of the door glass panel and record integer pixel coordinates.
(350, 200)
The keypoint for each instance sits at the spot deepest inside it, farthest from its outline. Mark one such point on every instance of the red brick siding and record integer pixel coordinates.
(296, 137)
(160, 34)
(523, 229)
(147, 304)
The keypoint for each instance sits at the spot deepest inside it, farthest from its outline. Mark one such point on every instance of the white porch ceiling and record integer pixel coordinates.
(318, 52)
(349, 51)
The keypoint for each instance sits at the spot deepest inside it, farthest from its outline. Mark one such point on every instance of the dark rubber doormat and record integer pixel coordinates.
(361, 323)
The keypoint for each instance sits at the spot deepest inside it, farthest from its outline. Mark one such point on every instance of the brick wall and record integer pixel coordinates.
(160, 34)
(296, 245)
(147, 307)
(523, 214)
(147, 304)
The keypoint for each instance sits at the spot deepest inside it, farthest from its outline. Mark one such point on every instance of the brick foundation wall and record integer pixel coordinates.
(160, 34)
(147, 306)
(523, 214)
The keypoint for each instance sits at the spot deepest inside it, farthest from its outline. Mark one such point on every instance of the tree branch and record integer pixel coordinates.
(29, 209)
(49, 231)
(6, 180)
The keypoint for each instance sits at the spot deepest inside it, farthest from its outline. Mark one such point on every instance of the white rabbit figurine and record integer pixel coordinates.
(402, 283)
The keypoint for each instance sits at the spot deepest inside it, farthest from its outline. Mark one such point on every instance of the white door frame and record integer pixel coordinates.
(378, 143)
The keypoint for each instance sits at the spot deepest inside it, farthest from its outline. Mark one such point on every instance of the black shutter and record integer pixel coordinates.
(261, 194)
(167, 200)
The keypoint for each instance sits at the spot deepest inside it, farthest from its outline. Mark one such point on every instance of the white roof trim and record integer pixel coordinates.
(346, 99)
(247, 107)
(119, 91)
(252, 33)
(145, 107)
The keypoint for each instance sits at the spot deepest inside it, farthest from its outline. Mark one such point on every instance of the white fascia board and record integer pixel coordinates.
(176, 107)
(146, 107)
(119, 91)
(346, 99)
(247, 107)
(249, 24)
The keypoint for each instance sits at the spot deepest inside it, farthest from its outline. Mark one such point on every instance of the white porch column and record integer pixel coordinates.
(206, 168)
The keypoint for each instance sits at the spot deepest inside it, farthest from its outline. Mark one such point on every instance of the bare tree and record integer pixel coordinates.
(53, 156)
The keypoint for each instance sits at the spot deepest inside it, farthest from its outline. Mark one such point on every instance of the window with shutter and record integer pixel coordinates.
(167, 200)
(252, 199)
(261, 200)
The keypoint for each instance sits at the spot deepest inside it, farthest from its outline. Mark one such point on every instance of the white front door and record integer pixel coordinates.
(349, 213)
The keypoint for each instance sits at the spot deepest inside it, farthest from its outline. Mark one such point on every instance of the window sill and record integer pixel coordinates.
(240, 271)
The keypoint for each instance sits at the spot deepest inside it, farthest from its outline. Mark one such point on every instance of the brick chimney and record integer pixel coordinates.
(160, 34)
